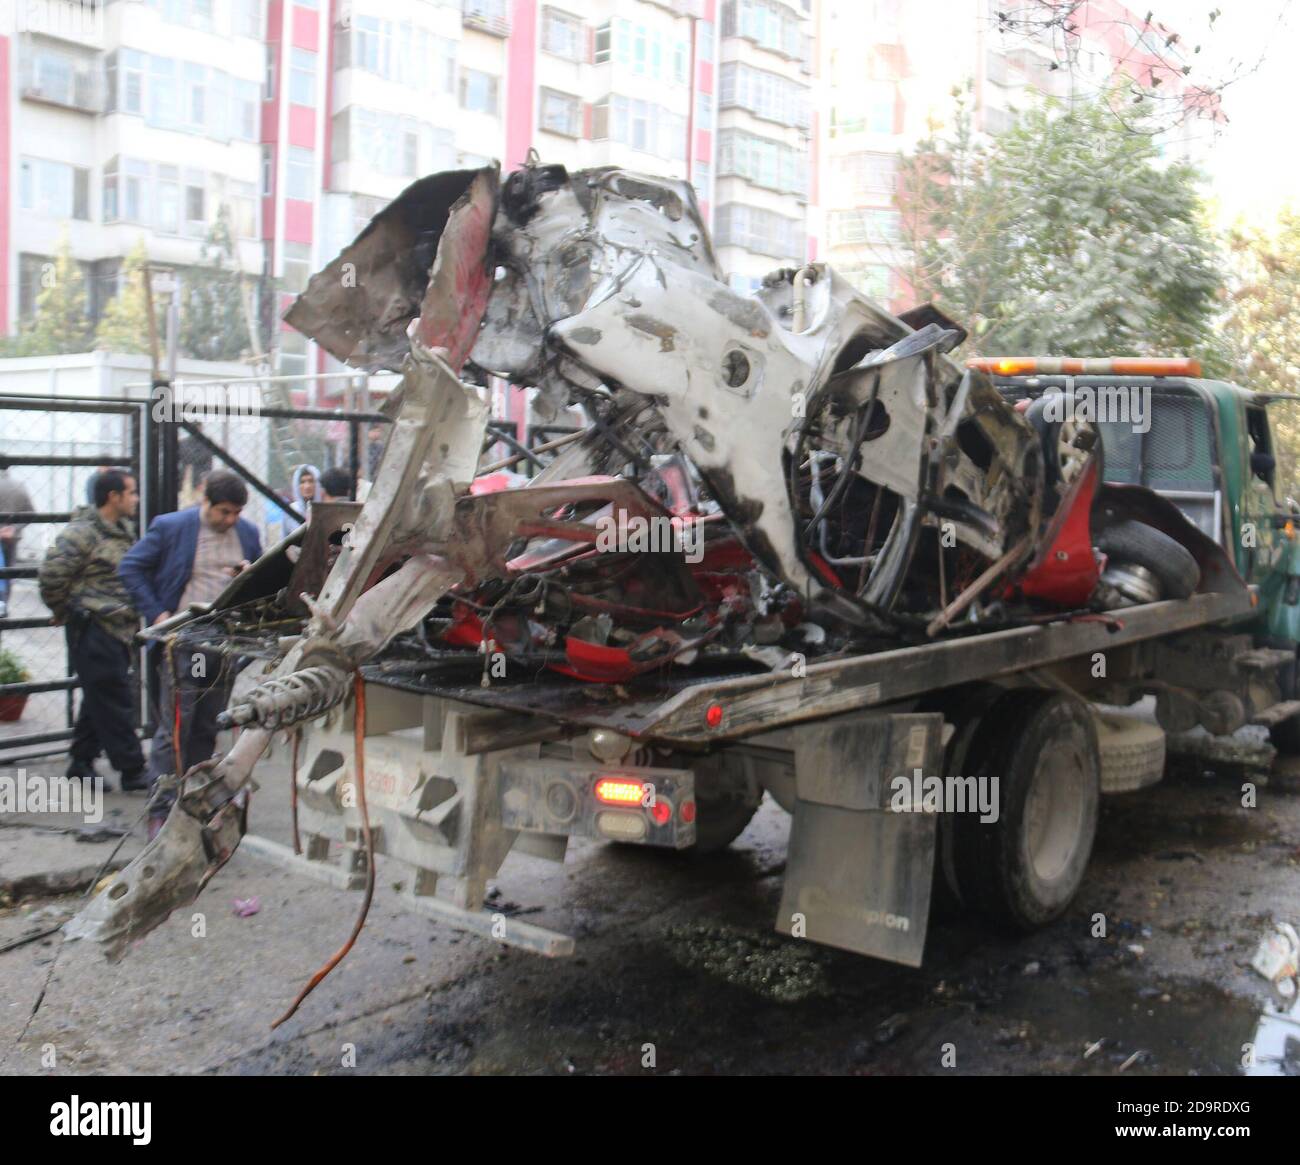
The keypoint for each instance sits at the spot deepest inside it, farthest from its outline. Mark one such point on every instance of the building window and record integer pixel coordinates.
(54, 189)
(763, 161)
(602, 44)
(867, 174)
(246, 18)
(767, 23)
(478, 91)
(196, 96)
(702, 180)
(681, 62)
(297, 266)
(848, 227)
(302, 77)
(762, 231)
(764, 94)
(299, 178)
(196, 217)
(268, 171)
(64, 78)
(704, 40)
(642, 125)
(242, 199)
(268, 73)
(167, 194)
(563, 35)
(561, 113)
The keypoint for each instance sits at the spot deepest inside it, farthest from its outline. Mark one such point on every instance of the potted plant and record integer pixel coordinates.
(12, 671)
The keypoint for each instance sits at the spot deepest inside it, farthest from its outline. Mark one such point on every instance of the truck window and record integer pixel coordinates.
(1175, 453)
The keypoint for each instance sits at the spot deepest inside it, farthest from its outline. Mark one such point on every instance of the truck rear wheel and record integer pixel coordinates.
(726, 799)
(1024, 869)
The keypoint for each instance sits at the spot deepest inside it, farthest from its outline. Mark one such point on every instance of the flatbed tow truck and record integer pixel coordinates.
(967, 748)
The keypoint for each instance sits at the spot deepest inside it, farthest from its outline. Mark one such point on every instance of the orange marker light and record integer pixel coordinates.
(619, 791)
(1087, 366)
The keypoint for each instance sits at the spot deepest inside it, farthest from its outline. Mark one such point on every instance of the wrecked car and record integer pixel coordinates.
(795, 539)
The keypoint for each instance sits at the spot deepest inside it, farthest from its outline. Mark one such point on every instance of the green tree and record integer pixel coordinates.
(59, 323)
(124, 326)
(1067, 234)
(1262, 328)
(1263, 323)
(213, 323)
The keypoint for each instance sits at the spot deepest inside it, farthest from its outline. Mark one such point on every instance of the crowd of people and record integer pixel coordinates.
(100, 583)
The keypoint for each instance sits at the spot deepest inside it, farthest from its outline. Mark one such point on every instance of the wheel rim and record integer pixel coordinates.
(1054, 810)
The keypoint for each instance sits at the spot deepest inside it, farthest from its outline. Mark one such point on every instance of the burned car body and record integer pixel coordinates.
(847, 485)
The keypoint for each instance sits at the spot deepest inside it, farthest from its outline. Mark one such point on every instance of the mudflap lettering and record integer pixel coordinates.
(860, 880)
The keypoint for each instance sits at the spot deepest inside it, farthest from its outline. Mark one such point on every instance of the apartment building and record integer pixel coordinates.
(123, 122)
(142, 120)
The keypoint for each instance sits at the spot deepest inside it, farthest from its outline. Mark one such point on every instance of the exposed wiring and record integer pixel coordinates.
(359, 734)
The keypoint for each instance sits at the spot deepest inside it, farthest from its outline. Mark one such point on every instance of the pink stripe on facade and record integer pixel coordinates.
(706, 77)
(297, 220)
(302, 126)
(521, 84)
(304, 29)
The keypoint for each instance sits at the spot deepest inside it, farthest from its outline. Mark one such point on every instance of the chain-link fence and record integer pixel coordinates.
(171, 438)
(52, 450)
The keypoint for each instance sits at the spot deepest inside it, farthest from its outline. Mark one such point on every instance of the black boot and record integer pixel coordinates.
(135, 781)
(81, 770)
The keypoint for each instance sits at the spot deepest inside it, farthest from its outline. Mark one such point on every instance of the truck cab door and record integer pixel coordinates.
(1261, 539)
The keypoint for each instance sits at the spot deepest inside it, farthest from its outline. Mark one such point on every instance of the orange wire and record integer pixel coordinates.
(359, 732)
(293, 794)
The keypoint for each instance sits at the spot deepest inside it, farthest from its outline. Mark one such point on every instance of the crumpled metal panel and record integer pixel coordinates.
(359, 307)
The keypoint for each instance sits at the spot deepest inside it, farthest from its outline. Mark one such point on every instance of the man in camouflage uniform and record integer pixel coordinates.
(79, 584)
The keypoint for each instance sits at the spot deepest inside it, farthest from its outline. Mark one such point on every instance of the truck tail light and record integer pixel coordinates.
(687, 812)
(622, 791)
(661, 810)
(622, 826)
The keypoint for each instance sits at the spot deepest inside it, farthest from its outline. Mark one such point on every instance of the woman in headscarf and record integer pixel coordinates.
(302, 492)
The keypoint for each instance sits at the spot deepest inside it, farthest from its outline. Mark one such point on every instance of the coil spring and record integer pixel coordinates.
(285, 700)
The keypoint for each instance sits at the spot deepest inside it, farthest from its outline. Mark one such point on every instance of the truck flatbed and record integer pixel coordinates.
(674, 707)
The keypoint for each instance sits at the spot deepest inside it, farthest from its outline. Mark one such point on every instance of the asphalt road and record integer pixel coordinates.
(677, 968)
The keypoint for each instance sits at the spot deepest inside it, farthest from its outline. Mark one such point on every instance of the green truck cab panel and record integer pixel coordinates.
(1192, 441)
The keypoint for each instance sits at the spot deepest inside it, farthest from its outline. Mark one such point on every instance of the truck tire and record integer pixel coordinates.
(1285, 737)
(1145, 546)
(1132, 753)
(964, 709)
(1023, 870)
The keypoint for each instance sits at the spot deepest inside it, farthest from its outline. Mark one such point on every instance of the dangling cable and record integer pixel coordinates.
(359, 731)
(293, 794)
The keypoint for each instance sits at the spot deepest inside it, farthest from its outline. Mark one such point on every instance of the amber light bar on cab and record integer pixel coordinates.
(1087, 365)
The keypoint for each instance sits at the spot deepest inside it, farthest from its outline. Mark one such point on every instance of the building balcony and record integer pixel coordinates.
(490, 16)
(75, 21)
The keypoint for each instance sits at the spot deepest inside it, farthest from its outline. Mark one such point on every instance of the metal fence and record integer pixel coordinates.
(53, 446)
(57, 444)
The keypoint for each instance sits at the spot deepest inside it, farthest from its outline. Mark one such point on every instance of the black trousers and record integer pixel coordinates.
(106, 721)
(203, 699)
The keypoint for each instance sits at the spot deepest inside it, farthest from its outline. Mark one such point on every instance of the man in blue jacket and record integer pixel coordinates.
(189, 557)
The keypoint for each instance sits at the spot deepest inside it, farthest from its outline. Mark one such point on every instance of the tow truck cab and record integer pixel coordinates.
(1206, 445)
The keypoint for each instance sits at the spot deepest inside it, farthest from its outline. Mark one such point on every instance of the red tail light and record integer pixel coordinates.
(619, 791)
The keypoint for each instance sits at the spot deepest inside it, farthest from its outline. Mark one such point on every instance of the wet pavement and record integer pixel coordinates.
(678, 970)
